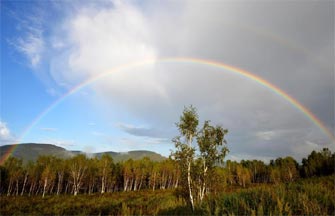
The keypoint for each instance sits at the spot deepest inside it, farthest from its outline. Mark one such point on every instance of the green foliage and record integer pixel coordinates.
(210, 141)
(318, 163)
(196, 169)
(188, 123)
(185, 152)
(284, 170)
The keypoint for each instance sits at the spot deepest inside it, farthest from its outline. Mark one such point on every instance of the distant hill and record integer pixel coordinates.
(31, 151)
(135, 155)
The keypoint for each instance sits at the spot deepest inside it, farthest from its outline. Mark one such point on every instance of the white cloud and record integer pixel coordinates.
(31, 46)
(6, 137)
(4, 131)
(103, 39)
(31, 42)
(93, 40)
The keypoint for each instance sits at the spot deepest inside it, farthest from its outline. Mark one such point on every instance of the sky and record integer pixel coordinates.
(52, 53)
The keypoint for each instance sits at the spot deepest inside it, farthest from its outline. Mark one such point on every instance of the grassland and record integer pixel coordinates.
(313, 196)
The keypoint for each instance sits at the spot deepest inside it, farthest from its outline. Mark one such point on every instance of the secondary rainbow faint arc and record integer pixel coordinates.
(186, 60)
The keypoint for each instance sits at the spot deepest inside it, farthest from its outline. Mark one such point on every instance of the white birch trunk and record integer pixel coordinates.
(45, 186)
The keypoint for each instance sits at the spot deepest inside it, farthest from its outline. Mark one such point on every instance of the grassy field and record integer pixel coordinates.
(311, 197)
(121, 203)
(314, 196)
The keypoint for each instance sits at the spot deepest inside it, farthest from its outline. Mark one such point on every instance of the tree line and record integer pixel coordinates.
(80, 174)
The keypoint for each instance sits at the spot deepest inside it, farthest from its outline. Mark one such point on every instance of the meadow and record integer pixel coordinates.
(311, 196)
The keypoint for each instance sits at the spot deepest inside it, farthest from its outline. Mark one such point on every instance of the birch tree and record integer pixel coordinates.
(77, 169)
(14, 168)
(212, 150)
(47, 164)
(185, 151)
(105, 170)
(60, 167)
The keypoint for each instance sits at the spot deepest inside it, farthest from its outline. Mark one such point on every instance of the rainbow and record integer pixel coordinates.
(295, 103)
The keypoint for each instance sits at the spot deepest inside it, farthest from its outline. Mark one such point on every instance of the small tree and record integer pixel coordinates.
(211, 149)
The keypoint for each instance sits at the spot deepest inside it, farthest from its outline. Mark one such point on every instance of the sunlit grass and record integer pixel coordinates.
(313, 196)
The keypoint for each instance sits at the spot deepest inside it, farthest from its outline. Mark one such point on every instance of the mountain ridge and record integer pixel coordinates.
(31, 151)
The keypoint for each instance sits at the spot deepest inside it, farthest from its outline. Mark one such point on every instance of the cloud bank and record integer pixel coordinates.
(289, 44)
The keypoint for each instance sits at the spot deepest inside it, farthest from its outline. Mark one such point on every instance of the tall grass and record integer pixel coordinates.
(305, 197)
(311, 197)
(121, 203)
(314, 196)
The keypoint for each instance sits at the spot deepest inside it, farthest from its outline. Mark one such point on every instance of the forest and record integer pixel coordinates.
(193, 180)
